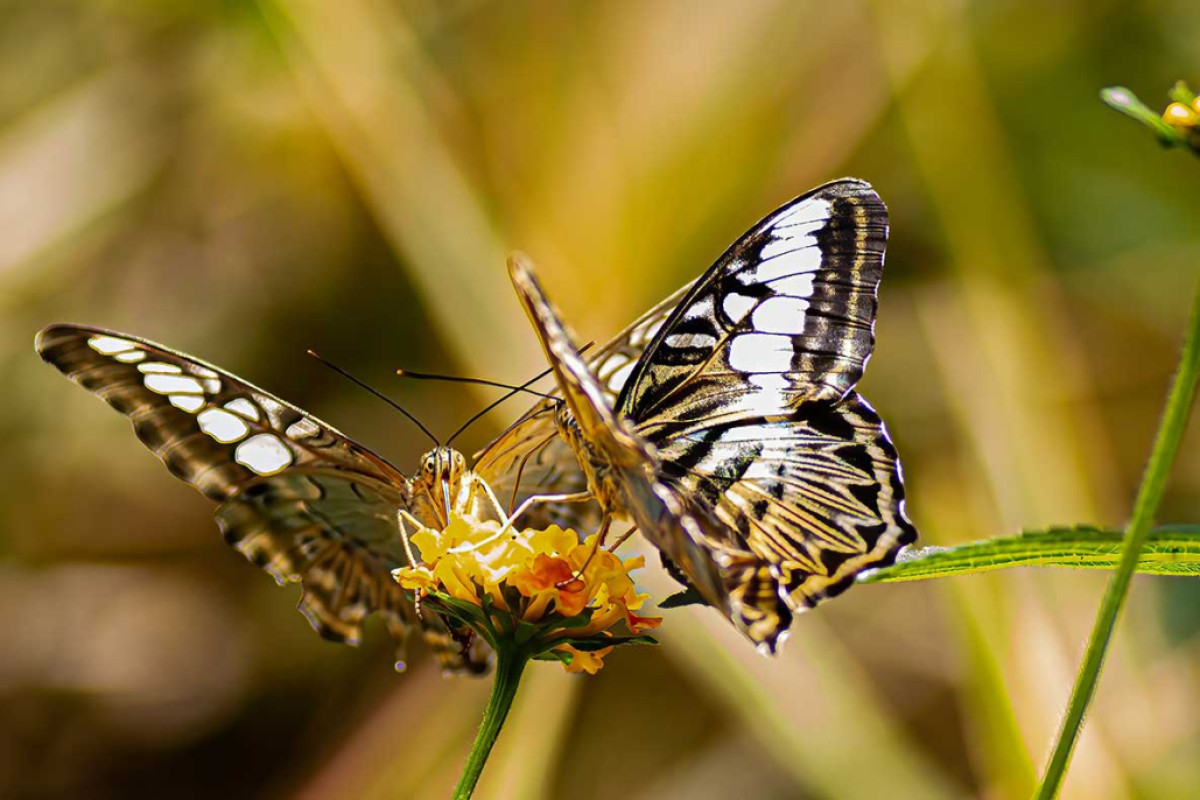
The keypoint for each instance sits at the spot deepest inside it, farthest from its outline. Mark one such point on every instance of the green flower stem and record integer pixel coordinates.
(1166, 446)
(510, 665)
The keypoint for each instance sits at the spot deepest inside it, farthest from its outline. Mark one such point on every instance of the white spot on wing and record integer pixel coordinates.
(780, 314)
(691, 340)
(619, 377)
(222, 425)
(110, 345)
(736, 306)
(190, 403)
(240, 405)
(263, 453)
(172, 384)
(131, 356)
(302, 429)
(761, 352)
(795, 285)
(159, 368)
(203, 372)
(703, 308)
(810, 212)
(611, 365)
(792, 257)
(749, 433)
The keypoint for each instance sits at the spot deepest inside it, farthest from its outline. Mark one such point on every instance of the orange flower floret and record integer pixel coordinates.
(539, 577)
(550, 579)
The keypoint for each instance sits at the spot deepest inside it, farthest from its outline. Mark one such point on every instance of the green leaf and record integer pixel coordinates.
(599, 643)
(461, 610)
(1169, 550)
(688, 597)
(582, 619)
(552, 655)
(525, 632)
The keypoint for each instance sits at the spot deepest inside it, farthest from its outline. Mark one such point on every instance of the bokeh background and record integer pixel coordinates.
(244, 181)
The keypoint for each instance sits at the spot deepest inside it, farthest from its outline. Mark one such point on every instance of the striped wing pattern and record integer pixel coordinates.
(762, 460)
(298, 498)
(817, 497)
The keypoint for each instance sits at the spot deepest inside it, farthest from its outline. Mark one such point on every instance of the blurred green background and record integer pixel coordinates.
(246, 181)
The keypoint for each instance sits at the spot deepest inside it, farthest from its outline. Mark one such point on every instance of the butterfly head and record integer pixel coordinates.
(441, 474)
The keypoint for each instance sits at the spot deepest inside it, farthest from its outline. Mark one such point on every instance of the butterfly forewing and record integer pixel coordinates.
(618, 463)
(298, 498)
(784, 316)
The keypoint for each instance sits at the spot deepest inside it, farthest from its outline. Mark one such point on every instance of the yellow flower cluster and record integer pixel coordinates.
(532, 580)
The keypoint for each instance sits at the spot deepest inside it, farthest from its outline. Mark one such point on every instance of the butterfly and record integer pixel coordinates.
(296, 497)
(728, 430)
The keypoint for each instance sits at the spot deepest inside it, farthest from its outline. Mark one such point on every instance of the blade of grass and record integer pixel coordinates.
(1162, 456)
(997, 352)
(424, 708)
(368, 83)
(1171, 550)
(68, 162)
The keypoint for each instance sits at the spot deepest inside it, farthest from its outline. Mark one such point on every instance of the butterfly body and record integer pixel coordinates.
(735, 441)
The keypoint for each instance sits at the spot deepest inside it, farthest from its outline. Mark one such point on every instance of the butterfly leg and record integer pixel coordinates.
(575, 497)
(572, 497)
(601, 533)
(624, 537)
(478, 487)
(403, 520)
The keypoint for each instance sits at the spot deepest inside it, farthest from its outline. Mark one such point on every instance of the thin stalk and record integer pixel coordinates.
(1162, 456)
(510, 665)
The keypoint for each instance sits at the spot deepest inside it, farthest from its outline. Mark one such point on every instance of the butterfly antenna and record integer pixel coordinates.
(512, 391)
(378, 394)
(432, 376)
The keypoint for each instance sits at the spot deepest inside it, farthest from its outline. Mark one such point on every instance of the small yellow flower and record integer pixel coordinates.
(543, 589)
(1181, 116)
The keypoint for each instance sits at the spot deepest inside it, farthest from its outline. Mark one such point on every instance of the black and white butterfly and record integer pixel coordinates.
(734, 441)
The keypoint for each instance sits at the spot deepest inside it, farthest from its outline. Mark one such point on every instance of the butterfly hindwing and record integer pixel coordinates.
(817, 497)
(297, 497)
